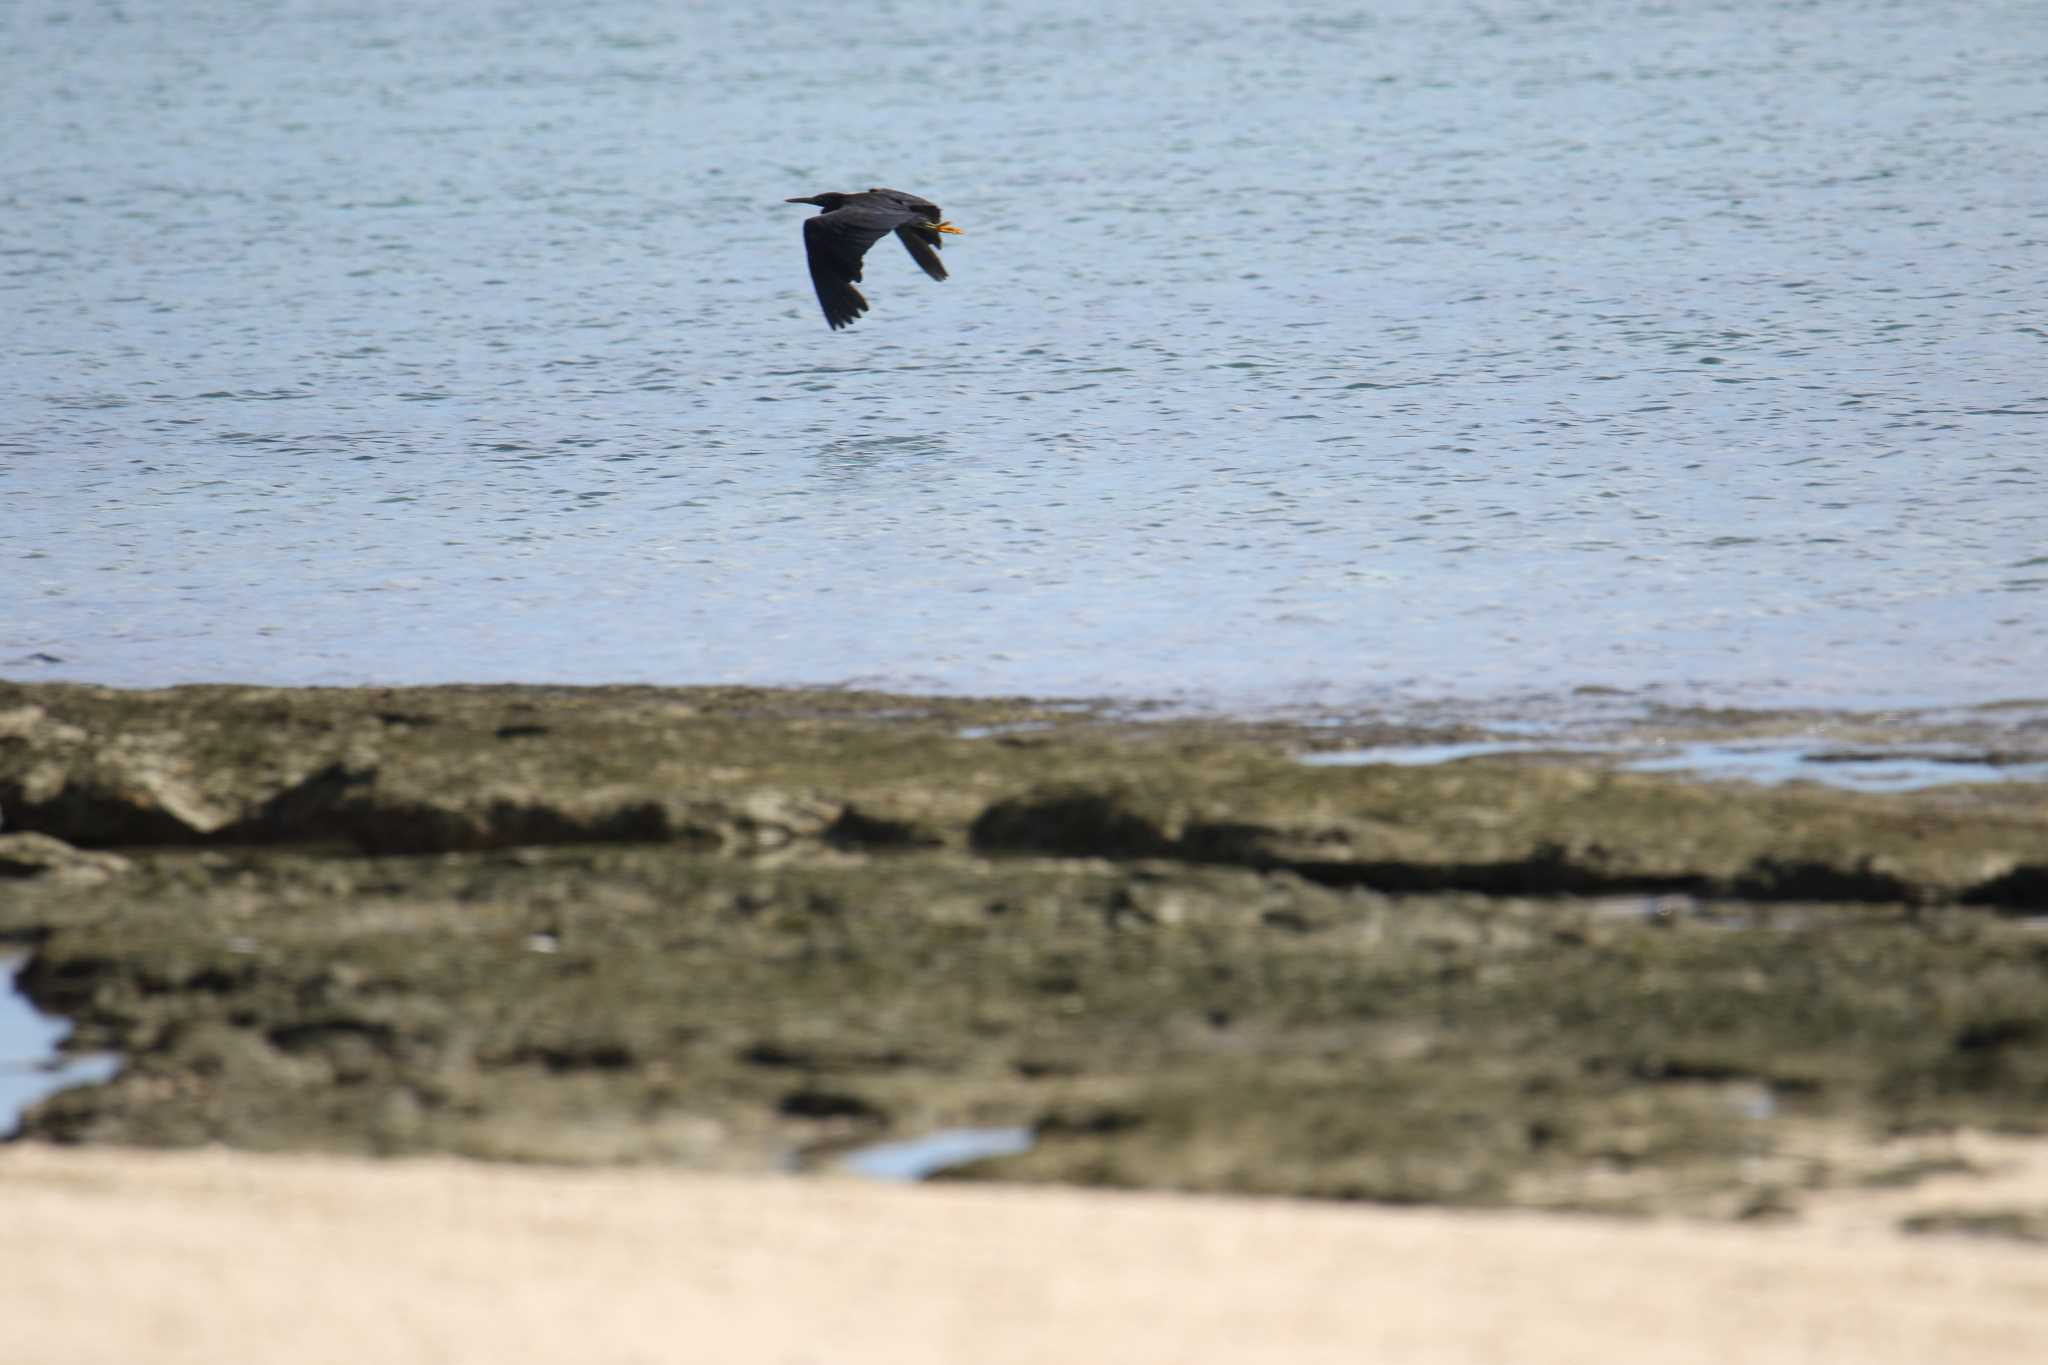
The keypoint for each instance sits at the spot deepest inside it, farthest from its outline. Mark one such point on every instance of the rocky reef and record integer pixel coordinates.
(749, 929)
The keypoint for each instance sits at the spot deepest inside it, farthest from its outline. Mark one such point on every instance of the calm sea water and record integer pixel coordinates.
(1336, 351)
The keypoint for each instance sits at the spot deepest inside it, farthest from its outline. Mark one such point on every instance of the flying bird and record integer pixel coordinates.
(846, 225)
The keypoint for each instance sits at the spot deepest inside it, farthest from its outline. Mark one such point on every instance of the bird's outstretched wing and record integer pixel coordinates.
(834, 244)
(922, 241)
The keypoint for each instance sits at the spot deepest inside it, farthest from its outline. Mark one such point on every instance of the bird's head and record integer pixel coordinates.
(827, 201)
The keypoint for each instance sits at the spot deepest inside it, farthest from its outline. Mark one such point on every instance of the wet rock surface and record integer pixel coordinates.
(745, 930)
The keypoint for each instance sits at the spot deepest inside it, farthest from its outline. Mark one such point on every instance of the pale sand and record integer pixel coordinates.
(153, 1259)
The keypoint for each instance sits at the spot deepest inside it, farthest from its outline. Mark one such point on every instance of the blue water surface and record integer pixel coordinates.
(1292, 351)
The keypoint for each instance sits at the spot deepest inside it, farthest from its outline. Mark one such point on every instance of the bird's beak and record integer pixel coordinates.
(948, 227)
(804, 200)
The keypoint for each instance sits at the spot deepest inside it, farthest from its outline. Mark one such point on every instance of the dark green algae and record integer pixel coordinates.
(736, 929)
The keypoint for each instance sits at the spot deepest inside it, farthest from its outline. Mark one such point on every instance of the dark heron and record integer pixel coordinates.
(848, 224)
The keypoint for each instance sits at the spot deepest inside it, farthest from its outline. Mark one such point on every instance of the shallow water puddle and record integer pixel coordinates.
(30, 1066)
(1766, 762)
(920, 1157)
(1422, 755)
(1857, 769)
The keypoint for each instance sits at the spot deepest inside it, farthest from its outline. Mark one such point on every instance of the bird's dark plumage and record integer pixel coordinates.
(848, 224)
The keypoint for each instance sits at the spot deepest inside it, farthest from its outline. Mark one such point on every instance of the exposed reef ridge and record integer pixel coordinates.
(744, 771)
(742, 929)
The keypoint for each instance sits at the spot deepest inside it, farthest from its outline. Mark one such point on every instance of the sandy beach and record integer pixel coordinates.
(121, 1256)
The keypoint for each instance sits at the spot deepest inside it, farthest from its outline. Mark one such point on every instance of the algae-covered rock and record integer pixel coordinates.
(749, 930)
(739, 770)
(38, 855)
